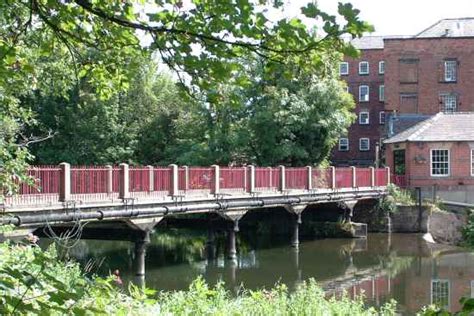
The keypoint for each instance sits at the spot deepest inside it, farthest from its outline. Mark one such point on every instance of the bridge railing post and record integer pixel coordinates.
(309, 184)
(174, 178)
(372, 176)
(215, 184)
(251, 179)
(333, 177)
(110, 179)
(124, 191)
(64, 182)
(151, 179)
(387, 169)
(282, 184)
(354, 177)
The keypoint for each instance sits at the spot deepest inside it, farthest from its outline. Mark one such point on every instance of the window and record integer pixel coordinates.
(440, 293)
(448, 103)
(450, 70)
(409, 102)
(364, 68)
(363, 93)
(343, 144)
(408, 70)
(472, 162)
(381, 67)
(439, 162)
(344, 68)
(382, 118)
(364, 144)
(364, 118)
(382, 93)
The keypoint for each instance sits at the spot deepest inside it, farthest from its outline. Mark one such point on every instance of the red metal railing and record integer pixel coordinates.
(363, 177)
(322, 178)
(89, 182)
(296, 178)
(162, 179)
(139, 178)
(88, 179)
(267, 178)
(44, 190)
(92, 183)
(182, 179)
(343, 178)
(381, 177)
(200, 178)
(399, 180)
(233, 178)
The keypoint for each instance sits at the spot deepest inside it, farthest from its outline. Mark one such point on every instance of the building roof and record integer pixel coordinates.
(403, 121)
(440, 127)
(372, 42)
(460, 27)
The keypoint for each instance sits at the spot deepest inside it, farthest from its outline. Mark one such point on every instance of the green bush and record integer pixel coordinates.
(394, 197)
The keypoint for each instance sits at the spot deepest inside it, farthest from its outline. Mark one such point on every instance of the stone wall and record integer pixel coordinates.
(445, 227)
(407, 220)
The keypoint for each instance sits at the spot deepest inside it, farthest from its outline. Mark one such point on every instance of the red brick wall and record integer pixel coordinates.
(419, 170)
(431, 54)
(374, 106)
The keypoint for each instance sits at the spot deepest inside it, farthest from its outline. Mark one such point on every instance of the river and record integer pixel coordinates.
(383, 266)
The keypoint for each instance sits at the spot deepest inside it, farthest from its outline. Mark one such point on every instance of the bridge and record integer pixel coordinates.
(126, 202)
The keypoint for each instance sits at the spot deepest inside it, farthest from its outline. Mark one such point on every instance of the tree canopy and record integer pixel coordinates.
(91, 50)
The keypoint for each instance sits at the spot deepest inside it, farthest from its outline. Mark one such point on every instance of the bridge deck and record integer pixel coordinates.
(96, 193)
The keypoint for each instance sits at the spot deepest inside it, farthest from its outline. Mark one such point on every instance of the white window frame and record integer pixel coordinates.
(360, 93)
(360, 118)
(431, 163)
(340, 68)
(360, 144)
(446, 281)
(382, 93)
(382, 114)
(381, 67)
(340, 141)
(451, 97)
(450, 75)
(360, 68)
(472, 162)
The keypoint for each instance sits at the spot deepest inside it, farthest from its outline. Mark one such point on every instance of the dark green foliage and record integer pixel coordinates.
(76, 60)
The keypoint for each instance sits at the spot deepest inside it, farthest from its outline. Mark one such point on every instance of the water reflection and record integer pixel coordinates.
(400, 266)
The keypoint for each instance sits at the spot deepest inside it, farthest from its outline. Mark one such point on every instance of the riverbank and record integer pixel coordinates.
(33, 281)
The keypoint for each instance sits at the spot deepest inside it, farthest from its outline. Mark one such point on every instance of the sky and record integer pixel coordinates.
(404, 17)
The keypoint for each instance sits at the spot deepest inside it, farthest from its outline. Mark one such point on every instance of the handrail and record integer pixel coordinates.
(64, 183)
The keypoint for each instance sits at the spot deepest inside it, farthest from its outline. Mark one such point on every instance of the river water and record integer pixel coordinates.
(383, 266)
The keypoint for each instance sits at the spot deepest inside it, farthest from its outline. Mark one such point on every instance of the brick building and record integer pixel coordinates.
(409, 80)
(365, 81)
(438, 151)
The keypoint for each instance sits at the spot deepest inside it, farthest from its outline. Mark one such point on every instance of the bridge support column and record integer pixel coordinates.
(296, 211)
(295, 238)
(231, 241)
(233, 217)
(140, 254)
(349, 210)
